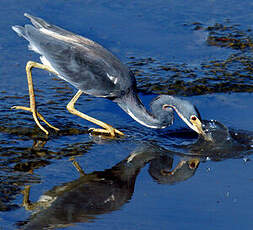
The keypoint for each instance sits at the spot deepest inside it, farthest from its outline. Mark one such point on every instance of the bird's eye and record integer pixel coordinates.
(192, 165)
(193, 118)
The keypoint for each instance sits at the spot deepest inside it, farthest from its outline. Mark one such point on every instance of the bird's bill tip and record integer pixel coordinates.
(27, 15)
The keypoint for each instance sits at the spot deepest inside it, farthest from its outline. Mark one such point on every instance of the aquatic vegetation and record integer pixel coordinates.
(234, 74)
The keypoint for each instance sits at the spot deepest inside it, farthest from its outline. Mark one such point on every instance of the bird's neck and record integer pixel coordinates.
(133, 106)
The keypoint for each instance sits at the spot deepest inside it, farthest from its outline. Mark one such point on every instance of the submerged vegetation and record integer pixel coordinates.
(234, 74)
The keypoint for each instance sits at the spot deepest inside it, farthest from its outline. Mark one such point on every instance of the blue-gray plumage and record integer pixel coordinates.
(95, 71)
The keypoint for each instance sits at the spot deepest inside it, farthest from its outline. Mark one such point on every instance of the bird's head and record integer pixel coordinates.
(185, 110)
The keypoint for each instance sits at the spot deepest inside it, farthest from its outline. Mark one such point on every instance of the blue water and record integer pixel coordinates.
(219, 193)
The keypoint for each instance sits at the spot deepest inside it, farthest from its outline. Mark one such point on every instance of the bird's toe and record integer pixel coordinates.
(108, 133)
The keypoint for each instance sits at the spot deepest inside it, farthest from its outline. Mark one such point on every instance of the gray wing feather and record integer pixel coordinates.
(41, 24)
(78, 60)
(76, 64)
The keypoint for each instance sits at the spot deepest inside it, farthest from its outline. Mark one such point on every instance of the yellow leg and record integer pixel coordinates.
(29, 206)
(32, 107)
(107, 129)
(26, 201)
(77, 166)
(37, 144)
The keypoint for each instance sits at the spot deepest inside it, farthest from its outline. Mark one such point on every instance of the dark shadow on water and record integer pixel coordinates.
(101, 192)
(18, 162)
(23, 151)
(221, 143)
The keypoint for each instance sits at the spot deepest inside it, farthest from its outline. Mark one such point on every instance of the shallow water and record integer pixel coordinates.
(201, 50)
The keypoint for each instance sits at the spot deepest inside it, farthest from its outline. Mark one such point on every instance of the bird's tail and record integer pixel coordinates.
(37, 22)
(21, 31)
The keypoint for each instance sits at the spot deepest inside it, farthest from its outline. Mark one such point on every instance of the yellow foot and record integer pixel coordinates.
(112, 132)
(77, 166)
(39, 116)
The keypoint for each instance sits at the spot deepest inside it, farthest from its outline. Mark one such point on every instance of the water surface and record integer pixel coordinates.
(201, 50)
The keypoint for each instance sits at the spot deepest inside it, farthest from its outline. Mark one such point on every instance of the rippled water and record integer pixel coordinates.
(151, 179)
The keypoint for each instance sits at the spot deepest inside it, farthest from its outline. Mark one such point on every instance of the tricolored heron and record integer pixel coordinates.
(95, 71)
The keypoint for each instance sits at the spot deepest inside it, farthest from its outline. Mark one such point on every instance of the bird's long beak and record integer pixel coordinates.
(197, 125)
(198, 128)
(192, 123)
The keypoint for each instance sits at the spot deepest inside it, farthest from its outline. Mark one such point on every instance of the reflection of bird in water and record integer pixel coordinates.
(215, 132)
(90, 195)
(161, 169)
(217, 141)
(95, 71)
(96, 193)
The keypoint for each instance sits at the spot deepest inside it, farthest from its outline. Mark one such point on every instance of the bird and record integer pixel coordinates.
(95, 71)
(92, 194)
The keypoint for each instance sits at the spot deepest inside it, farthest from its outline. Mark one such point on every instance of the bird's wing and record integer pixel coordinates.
(80, 61)
(61, 33)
